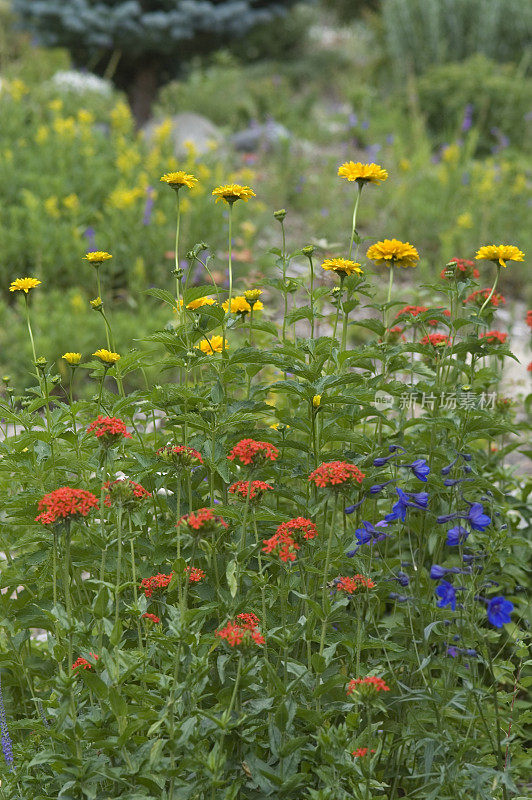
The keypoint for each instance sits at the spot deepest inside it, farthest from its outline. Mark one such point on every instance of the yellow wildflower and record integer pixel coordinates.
(500, 253)
(162, 132)
(124, 198)
(316, 401)
(107, 356)
(201, 301)
(96, 304)
(178, 179)
(121, 120)
(77, 302)
(55, 105)
(465, 220)
(342, 266)
(85, 117)
(71, 201)
(97, 257)
(404, 165)
(72, 358)
(451, 154)
(24, 285)
(42, 134)
(128, 159)
(17, 89)
(64, 126)
(252, 295)
(239, 305)
(51, 206)
(393, 253)
(212, 345)
(362, 173)
(231, 192)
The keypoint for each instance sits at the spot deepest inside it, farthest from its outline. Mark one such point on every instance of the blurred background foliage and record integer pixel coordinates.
(439, 92)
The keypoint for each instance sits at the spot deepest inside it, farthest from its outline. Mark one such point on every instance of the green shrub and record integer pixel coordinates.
(499, 96)
(422, 33)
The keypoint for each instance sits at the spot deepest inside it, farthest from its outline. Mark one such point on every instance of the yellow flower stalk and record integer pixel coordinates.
(362, 173)
(107, 357)
(499, 254)
(72, 358)
(24, 284)
(215, 344)
(231, 192)
(179, 179)
(393, 253)
(342, 266)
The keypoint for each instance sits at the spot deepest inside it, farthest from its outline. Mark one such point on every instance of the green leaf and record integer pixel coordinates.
(230, 574)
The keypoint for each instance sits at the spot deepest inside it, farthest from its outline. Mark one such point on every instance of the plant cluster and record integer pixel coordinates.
(293, 565)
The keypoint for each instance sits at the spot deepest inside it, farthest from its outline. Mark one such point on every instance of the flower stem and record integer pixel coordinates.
(326, 576)
(118, 563)
(353, 227)
(488, 298)
(66, 588)
(177, 281)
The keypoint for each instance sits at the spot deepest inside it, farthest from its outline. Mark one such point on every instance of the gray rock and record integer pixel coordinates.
(260, 137)
(189, 128)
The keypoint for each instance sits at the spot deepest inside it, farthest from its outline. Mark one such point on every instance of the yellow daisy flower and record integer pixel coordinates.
(252, 295)
(97, 257)
(212, 345)
(500, 253)
(201, 301)
(239, 305)
(393, 253)
(342, 266)
(362, 173)
(231, 192)
(178, 179)
(72, 358)
(24, 285)
(107, 356)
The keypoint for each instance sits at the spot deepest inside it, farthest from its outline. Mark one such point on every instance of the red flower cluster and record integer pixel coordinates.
(529, 368)
(494, 337)
(256, 489)
(83, 663)
(395, 333)
(284, 541)
(158, 581)
(282, 544)
(180, 455)
(243, 630)
(125, 491)
(372, 683)
(109, 429)
(299, 527)
(336, 473)
(529, 318)
(361, 752)
(252, 453)
(414, 311)
(202, 519)
(436, 339)
(354, 584)
(151, 617)
(481, 295)
(195, 575)
(65, 503)
(461, 267)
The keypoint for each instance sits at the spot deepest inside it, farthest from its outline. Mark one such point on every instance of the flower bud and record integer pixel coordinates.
(280, 215)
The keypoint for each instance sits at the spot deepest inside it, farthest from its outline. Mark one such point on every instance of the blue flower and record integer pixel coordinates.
(406, 500)
(7, 747)
(452, 651)
(476, 517)
(420, 468)
(437, 572)
(446, 470)
(499, 611)
(402, 578)
(369, 532)
(447, 594)
(350, 509)
(456, 535)
(378, 487)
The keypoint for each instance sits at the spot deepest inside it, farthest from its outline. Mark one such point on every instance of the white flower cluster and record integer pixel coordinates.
(74, 81)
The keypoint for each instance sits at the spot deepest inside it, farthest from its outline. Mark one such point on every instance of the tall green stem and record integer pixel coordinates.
(353, 227)
(326, 576)
(177, 279)
(66, 588)
(118, 562)
(488, 298)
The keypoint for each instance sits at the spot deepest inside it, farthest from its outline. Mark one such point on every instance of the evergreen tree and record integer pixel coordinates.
(142, 44)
